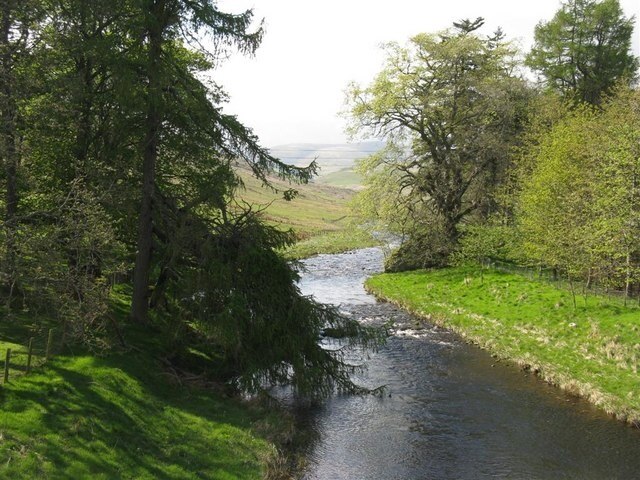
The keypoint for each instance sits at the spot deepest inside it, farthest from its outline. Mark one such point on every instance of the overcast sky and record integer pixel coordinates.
(293, 89)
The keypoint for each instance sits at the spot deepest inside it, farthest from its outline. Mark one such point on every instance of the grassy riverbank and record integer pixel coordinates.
(592, 350)
(125, 415)
(331, 242)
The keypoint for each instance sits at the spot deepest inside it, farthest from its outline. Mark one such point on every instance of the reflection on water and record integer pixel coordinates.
(452, 411)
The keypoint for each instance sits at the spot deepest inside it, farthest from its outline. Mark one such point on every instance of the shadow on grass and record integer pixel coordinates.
(116, 417)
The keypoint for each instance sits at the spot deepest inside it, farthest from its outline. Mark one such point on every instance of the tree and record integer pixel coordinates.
(554, 207)
(449, 105)
(117, 123)
(17, 19)
(578, 210)
(616, 205)
(165, 25)
(585, 49)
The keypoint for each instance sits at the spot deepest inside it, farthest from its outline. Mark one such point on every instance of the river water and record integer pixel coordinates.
(451, 411)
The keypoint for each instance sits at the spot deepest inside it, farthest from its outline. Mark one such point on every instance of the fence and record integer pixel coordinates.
(556, 278)
(36, 353)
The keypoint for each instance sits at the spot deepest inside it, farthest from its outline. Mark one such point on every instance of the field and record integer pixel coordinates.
(319, 215)
(592, 350)
(343, 178)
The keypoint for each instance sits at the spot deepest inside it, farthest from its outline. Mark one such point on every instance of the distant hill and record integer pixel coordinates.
(317, 209)
(336, 161)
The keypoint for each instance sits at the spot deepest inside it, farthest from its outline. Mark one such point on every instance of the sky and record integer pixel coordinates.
(292, 90)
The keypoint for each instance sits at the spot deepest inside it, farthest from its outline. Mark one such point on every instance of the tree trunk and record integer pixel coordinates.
(140, 297)
(573, 292)
(9, 150)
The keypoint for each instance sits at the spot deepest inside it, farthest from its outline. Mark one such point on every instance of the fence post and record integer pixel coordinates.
(6, 365)
(29, 353)
(49, 342)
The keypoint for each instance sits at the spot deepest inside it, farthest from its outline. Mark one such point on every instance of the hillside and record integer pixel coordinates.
(336, 161)
(319, 215)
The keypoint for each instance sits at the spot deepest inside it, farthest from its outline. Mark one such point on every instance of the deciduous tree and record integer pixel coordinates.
(449, 105)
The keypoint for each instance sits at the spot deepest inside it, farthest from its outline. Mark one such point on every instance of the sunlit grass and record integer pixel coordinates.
(592, 350)
(116, 417)
(123, 415)
(332, 242)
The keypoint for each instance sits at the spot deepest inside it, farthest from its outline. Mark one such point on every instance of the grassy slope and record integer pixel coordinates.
(88, 417)
(122, 416)
(319, 215)
(342, 178)
(592, 351)
(316, 209)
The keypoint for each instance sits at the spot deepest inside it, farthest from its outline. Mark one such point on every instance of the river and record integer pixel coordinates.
(451, 411)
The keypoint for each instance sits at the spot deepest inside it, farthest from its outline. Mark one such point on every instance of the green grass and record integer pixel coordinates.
(592, 350)
(317, 209)
(125, 416)
(320, 216)
(333, 242)
(342, 178)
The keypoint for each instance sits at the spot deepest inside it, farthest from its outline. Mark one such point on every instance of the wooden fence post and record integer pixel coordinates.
(29, 353)
(6, 365)
(49, 342)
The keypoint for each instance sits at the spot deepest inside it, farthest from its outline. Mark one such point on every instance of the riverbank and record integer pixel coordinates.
(126, 415)
(592, 350)
(331, 242)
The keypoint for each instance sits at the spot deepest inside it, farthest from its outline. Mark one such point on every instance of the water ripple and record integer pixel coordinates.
(451, 411)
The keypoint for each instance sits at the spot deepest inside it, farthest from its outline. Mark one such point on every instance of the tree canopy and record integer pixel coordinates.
(449, 106)
(585, 49)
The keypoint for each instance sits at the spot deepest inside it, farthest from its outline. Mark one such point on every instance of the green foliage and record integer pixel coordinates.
(590, 351)
(428, 246)
(480, 244)
(553, 206)
(449, 106)
(578, 206)
(585, 49)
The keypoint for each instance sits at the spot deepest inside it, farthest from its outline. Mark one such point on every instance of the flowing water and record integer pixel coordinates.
(451, 411)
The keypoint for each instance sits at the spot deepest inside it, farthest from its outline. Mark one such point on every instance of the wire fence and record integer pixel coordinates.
(556, 278)
(23, 359)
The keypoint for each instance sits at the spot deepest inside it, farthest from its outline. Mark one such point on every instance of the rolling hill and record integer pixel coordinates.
(336, 161)
(319, 215)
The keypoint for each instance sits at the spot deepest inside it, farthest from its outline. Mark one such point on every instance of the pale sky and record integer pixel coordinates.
(293, 89)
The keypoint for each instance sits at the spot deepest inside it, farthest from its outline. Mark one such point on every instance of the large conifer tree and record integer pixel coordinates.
(585, 49)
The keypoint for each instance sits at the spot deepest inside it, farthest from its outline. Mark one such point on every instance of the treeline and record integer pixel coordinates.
(118, 173)
(482, 163)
